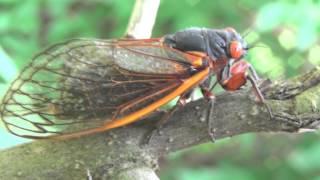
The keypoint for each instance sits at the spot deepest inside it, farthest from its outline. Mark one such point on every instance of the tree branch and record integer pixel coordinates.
(118, 153)
(140, 26)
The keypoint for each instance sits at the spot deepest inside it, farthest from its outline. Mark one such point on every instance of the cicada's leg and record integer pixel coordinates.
(253, 78)
(259, 95)
(253, 72)
(209, 96)
(239, 76)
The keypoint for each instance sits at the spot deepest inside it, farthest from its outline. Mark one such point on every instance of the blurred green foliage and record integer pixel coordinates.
(285, 34)
(248, 157)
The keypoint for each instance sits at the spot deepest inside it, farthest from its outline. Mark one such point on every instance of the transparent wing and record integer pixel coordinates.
(89, 82)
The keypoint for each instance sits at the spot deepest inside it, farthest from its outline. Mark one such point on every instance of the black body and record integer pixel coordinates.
(213, 42)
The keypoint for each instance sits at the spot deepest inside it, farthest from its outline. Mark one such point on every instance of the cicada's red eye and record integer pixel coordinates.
(236, 49)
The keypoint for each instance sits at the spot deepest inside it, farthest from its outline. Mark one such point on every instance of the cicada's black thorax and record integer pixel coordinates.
(214, 42)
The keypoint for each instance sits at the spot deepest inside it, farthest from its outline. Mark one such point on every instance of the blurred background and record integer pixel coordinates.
(287, 33)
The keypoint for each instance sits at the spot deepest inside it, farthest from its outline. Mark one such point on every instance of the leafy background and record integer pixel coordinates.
(287, 36)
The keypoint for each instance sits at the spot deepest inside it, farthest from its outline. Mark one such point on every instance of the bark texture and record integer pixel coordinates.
(118, 154)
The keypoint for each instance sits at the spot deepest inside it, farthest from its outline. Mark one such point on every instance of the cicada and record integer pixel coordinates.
(87, 86)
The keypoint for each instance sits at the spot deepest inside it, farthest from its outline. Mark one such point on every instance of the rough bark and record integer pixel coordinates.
(118, 153)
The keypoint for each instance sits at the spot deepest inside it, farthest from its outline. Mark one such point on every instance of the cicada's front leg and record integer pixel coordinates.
(237, 75)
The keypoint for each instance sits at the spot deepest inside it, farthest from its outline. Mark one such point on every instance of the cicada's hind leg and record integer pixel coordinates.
(164, 119)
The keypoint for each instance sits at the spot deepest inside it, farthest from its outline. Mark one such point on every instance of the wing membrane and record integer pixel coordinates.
(87, 82)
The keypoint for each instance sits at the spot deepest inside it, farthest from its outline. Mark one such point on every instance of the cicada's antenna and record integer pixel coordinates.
(253, 44)
(246, 33)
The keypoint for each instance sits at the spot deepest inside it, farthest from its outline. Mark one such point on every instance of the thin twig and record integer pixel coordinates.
(142, 19)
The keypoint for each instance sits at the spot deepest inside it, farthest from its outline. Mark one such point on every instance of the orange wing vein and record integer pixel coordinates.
(135, 116)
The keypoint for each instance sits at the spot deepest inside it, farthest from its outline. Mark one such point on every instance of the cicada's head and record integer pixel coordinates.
(226, 44)
(236, 47)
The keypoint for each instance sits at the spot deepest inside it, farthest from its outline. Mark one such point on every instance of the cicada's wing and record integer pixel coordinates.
(81, 84)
